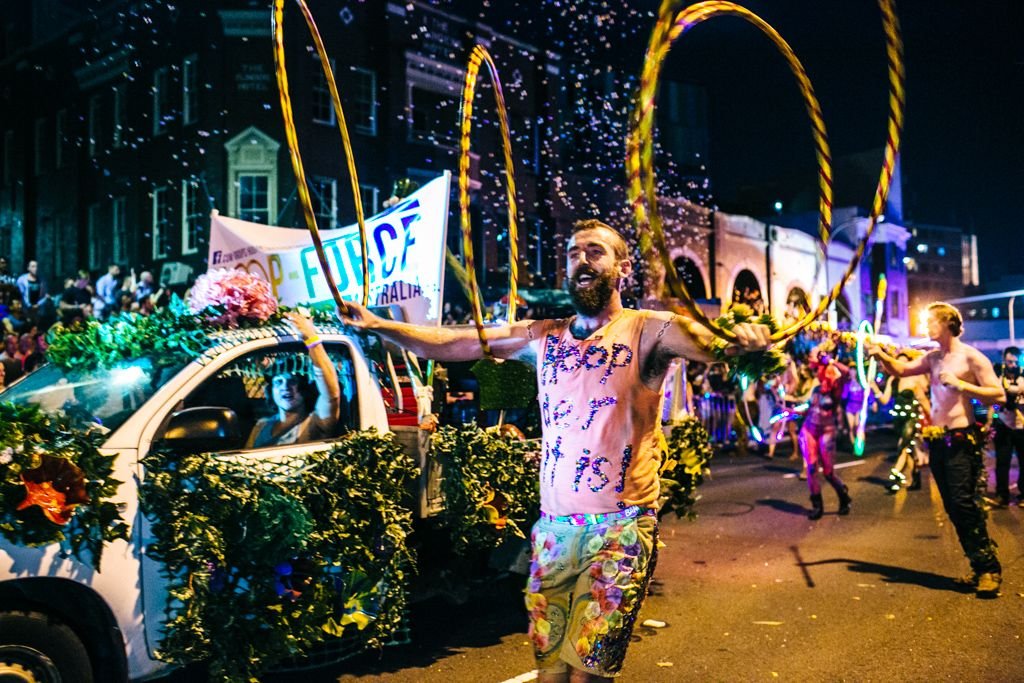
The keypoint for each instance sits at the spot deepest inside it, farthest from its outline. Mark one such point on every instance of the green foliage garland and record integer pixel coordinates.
(684, 466)
(490, 483)
(505, 384)
(263, 567)
(170, 336)
(757, 364)
(27, 435)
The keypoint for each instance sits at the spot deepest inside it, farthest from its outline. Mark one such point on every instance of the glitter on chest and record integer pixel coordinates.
(567, 358)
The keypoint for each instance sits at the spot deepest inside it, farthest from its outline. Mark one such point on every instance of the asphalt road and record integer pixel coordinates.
(754, 591)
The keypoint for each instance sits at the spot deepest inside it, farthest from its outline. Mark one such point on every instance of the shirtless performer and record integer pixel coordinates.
(957, 373)
(600, 375)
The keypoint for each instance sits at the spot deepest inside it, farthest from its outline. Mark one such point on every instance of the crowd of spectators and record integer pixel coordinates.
(28, 309)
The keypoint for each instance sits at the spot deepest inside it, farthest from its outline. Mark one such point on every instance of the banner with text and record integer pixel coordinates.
(406, 246)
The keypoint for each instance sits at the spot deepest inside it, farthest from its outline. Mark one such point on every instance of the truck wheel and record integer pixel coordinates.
(36, 648)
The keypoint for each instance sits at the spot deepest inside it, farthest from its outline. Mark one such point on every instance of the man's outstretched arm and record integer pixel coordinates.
(444, 343)
(897, 367)
(677, 336)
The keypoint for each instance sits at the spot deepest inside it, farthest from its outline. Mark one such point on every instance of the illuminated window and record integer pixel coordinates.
(119, 222)
(117, 117)
(161, 102)
(433, 91)
(252, 167)
(191, 216)
(254, 198)
(433, 116)
(324, 193)
(370, 196)
(364, 101)
(323, 106)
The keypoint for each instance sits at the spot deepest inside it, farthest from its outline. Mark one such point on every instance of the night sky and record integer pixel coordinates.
(964, 134)
(963, 145)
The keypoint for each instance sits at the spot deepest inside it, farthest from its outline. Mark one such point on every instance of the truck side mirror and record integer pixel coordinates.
(203, 428)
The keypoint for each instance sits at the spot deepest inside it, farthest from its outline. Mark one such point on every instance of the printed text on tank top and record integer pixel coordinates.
(598, 446)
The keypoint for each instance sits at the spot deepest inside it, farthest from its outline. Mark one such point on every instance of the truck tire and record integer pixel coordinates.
(36, 648)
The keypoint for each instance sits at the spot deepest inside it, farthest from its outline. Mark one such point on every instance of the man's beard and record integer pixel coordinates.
(592, 300)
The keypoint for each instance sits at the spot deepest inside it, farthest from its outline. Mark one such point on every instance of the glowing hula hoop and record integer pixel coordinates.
(293, 147)
(640, 143)
(864, 331)
(894, 129)
(478, 56)
(640, 163)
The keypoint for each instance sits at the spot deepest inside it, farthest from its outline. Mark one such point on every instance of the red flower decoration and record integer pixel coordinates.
(496, 508)
(57, 486)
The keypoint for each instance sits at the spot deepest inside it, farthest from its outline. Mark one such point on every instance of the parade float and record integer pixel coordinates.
(135, 515)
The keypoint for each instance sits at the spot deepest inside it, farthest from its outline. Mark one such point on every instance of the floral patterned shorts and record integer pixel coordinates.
(587, 583)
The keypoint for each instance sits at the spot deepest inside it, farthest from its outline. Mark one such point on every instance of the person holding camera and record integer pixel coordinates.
(1008, 423)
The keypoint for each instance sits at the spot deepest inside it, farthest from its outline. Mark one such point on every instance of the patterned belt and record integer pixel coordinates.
(586, 518)
(949, 435)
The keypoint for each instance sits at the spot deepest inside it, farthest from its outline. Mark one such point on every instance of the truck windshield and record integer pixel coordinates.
(106, 396)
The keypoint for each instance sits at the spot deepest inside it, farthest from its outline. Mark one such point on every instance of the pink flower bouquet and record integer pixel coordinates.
(228, 297)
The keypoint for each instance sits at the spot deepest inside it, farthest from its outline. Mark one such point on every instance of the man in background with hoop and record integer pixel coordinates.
(958, 374)
(600, 375)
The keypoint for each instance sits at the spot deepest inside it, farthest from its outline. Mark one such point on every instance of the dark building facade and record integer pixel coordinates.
(120, 133)
(124, 123)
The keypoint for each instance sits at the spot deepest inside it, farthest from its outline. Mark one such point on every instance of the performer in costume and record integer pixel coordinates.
(909, 416)
(958, 373)
(600, 374)
(796, 383)
(818, 433)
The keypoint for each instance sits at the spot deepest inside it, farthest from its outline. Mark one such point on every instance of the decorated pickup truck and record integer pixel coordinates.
(143, 524)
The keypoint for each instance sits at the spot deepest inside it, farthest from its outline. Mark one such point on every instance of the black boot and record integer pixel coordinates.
(915, 481)
(844, 500)
(817, 509)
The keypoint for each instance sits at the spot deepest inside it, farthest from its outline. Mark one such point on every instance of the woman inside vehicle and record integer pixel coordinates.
(293, 421)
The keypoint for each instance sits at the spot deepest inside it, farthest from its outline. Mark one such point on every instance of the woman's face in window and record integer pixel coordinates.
(286, 392)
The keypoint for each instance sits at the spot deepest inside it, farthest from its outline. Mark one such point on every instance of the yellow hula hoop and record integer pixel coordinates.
(640, 143)
(293, 147)
(478, 56)
(894, 129)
